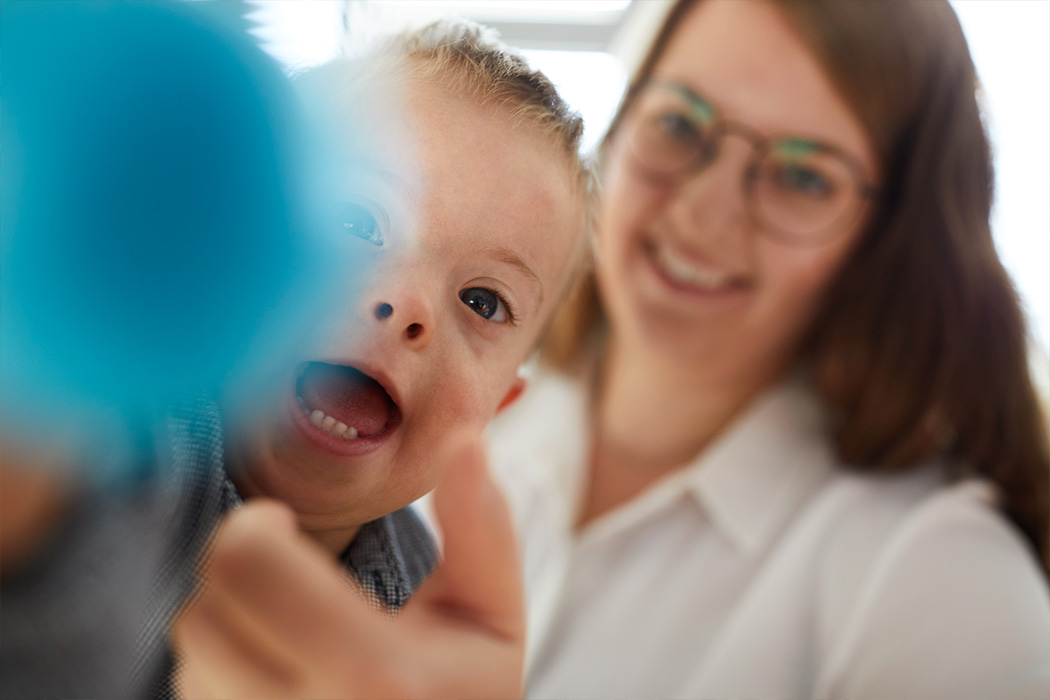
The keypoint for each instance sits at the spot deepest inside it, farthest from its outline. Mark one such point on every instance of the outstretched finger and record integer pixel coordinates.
(480, 577)
(280, 589)
(215, 658)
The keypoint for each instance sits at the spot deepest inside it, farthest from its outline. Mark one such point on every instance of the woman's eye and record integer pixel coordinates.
(678, 127)
(357, 220)
(804, 180)
(485, 303)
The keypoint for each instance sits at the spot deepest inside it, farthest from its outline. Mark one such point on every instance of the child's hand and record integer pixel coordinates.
(277, 617)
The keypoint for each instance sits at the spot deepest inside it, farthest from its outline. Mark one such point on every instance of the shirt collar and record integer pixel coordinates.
(756, 475)
(376, 559)
(748, 483)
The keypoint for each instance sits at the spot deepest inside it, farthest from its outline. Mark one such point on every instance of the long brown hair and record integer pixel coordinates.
(920, 348)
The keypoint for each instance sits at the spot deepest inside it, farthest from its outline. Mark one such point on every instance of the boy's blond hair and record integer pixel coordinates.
(472, 60)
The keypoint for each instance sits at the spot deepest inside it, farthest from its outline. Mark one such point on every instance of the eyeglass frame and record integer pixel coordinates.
(760, 147)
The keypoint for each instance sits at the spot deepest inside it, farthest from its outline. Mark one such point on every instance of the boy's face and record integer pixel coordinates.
(473, 241)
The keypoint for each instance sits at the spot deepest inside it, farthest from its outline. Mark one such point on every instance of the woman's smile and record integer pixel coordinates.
(688, 274)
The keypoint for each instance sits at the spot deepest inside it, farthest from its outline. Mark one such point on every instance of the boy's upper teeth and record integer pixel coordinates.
(330, 424)
(684, 271)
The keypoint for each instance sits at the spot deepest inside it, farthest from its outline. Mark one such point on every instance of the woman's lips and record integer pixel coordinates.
(685, 275)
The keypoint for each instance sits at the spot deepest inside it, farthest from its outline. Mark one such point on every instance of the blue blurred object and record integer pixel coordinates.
(162, 208)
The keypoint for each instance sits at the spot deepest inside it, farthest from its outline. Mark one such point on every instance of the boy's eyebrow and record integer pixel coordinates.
(508, 256)
(368, 168)
(391, 179)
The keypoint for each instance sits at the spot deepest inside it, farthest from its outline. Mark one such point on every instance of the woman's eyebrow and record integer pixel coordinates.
(506, 255)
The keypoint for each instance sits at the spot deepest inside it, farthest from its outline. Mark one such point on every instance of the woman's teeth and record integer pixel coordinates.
(687, 273)
(328, 424)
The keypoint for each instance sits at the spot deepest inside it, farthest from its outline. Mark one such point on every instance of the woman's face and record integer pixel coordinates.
(686, 267)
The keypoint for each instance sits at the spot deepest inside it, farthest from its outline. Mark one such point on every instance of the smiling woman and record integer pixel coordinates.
(784, 443)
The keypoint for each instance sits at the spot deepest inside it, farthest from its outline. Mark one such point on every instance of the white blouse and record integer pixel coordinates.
(764, 570)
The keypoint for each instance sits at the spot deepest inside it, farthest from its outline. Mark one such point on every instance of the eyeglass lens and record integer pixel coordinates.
(796, 187)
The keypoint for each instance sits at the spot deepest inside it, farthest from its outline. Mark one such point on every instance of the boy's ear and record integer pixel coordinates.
(516, 390)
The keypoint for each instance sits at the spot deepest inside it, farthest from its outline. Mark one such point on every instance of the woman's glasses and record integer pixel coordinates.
(802, 191)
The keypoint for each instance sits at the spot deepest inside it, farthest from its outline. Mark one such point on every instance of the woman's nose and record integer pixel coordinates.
(715, 196)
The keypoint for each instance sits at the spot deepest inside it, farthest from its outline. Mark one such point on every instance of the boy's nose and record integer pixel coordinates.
(409, 316)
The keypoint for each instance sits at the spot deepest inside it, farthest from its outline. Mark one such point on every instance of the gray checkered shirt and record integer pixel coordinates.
(89, 618)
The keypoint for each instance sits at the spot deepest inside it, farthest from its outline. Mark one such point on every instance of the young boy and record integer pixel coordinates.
(470, 201)
(471, 204)
(474, 243)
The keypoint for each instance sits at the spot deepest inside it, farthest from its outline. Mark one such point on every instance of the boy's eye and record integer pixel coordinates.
(485, 303)
(357, 220)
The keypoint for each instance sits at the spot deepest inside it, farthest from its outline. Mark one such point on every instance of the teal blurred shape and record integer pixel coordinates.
(162, 210)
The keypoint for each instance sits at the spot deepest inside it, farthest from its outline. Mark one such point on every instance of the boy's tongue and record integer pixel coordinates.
(346, 395)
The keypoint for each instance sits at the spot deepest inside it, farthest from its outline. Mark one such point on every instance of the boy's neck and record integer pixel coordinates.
(333, 539)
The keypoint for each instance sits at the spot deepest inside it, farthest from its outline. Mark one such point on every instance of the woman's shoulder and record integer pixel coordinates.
(917, 568)
(892, 515)
(880, 531)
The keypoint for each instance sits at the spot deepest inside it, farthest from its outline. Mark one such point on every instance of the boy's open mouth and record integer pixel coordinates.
(344, 401)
